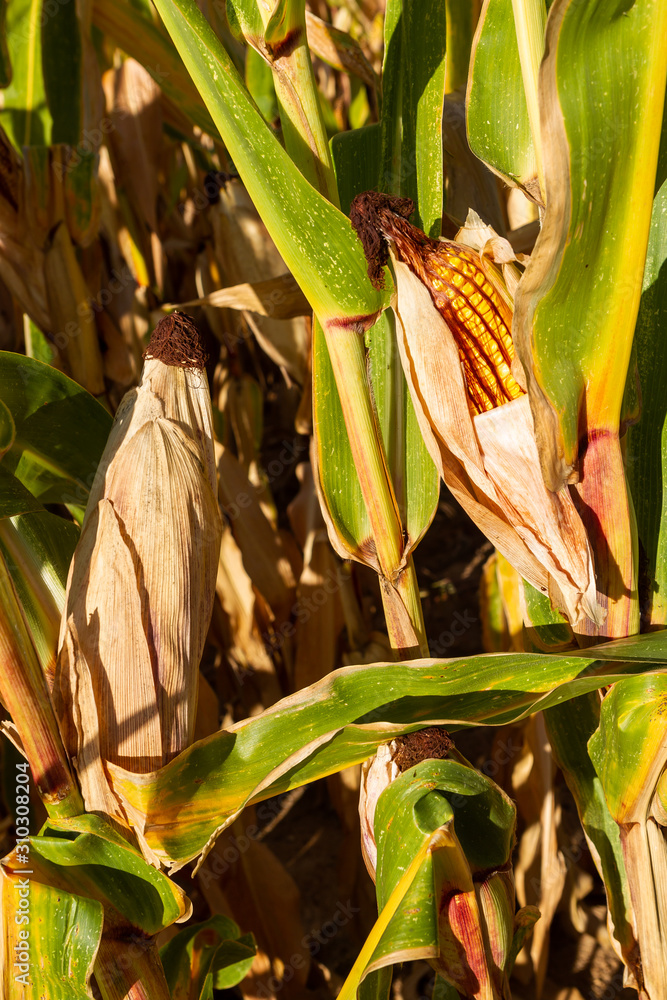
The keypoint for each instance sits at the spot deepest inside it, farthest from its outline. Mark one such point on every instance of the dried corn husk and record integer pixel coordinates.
(142, 581)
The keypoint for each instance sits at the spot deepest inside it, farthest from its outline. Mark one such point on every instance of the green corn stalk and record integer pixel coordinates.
(329, 269)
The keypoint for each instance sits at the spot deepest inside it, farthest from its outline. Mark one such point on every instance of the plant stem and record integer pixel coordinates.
(300, 111)
(348, 360)
(130, 969)
(605, 508)
(24, 693)
(403, 614)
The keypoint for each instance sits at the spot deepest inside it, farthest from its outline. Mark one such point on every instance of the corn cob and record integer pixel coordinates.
(462, 292)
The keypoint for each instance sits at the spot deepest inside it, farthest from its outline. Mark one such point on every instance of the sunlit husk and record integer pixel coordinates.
(142, 581)
(376, 774)
(466, 960)
(490, 461)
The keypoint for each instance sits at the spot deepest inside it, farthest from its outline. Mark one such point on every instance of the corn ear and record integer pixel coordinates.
(142, 581)
(454, 313)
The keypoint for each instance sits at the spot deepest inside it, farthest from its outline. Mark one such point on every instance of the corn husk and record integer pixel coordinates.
(142, 580)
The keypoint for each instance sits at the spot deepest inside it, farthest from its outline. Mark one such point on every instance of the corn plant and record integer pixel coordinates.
(532, 385)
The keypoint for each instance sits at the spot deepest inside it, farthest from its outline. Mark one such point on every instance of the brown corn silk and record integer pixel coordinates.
(142, 580)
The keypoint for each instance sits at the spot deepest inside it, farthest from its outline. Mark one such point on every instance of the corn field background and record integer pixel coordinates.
(333, 517)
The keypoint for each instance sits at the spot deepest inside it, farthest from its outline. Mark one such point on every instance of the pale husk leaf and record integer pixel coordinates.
(142, 579)
(491, 466)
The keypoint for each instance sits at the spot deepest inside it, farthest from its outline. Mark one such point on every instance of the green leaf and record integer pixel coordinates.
(61, 431)
(5, 62)
(356, 157)
(117, 877)
(497, 115)
(259, 81)
(629, 751)
(424, 27)
(576, 304)
(233, 961)
(7, 429)
(414, 92)
(629, 743)
(25, 116)
(205, 955)
(342, 720)
(321, 249)
(37, 548)
(14, 497)
(339, 481)
(547, 629)
(376, 985)
(570, 727)
(245, 18)
(36, 344)
(414, 477)
(646, 454)
(477, 820)
(391, 170)
(63, 932)
(62, 67)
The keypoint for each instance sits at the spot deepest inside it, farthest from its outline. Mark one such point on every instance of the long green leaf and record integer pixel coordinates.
(117, 877)
(322, 251)
(414, 93)
(424, 28)
(576, 305)
(339, 479)
(646, 453)
(342, 720)
(62, 67)
(497, 114)
(25, 116)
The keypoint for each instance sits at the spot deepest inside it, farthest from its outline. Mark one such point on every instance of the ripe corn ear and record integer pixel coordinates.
(142, 581)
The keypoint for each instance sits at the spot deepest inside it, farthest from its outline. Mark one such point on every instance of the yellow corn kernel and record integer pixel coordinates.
(477, 315)
(474, 311)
